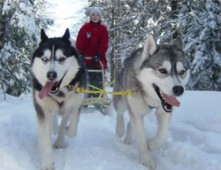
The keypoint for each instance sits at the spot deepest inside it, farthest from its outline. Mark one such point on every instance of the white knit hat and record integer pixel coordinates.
(93, 10)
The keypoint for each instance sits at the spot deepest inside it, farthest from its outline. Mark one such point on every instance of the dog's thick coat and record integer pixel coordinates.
(56, 69)
(158, 73)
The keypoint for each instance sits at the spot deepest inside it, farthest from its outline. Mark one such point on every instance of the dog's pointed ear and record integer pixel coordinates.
(150, 46)
(66, 35)
(178, 43)
(44, 37)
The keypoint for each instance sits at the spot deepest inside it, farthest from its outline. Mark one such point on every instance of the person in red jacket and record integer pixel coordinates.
(92, 44)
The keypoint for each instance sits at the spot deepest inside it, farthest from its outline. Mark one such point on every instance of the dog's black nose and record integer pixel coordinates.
(178, 90)
(52, 75)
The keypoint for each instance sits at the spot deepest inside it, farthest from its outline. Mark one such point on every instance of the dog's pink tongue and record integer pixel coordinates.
(45, 90)
(171, 100)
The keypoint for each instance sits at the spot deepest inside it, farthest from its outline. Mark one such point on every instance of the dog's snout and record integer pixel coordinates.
(178, 90)
(51, 75)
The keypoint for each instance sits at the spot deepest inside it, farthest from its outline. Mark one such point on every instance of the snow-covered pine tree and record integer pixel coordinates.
(21, 32)
(127, 25)
(2, 25)
(197, 23)
(200, 25)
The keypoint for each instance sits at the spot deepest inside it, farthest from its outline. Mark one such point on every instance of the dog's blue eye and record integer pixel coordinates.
(61, 59)
(182, 72)
(163, 71)
(45, 59)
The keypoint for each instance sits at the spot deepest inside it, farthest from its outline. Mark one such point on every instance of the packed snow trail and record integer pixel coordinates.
(193, 142)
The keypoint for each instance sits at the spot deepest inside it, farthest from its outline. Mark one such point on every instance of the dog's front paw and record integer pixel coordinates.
(71, 132)
(154, 144)
(149, 164)
(48, 167)
(59, 144)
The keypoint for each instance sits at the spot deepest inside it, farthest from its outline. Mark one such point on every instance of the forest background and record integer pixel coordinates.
(196, 22)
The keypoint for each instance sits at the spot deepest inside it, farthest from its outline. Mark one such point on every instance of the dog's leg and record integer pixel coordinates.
(144, 154)
(129, 134)
(120, 127)
(163, 120)
(119, 106)
(44, 139)
(55, 125)
(60, 140)
(71, 131)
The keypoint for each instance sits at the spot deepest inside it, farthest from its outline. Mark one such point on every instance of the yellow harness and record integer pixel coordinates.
(100, 91)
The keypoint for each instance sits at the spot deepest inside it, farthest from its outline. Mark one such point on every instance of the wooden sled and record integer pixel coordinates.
(102, 102)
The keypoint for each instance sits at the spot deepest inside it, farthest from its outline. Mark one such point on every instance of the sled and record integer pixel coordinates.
(102, 101)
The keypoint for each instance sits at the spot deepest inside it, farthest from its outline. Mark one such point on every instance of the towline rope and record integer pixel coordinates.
(100, 91)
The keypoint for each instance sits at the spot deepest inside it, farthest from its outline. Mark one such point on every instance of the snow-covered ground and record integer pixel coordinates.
(193, 142)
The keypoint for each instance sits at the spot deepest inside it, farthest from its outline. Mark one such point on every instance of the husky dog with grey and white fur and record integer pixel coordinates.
(158, 74)
(57, 69)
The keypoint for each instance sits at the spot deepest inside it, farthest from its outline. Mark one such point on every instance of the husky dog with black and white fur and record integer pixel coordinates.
(57, 69)
(158, 74)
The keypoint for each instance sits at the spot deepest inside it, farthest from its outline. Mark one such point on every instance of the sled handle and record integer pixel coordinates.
(102, 68)
(90, 58)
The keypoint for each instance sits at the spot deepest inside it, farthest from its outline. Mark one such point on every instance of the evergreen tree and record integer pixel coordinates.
(2, 25)
(197, 23)
(21, 32)
(200, 24)
(127, 23)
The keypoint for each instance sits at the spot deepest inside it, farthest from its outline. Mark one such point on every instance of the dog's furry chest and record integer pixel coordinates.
(59, 103)
(151, 102)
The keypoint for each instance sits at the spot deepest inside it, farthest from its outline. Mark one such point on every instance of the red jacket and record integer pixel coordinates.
(92, 39)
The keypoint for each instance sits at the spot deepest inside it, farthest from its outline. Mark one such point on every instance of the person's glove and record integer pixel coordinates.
(96, 58)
